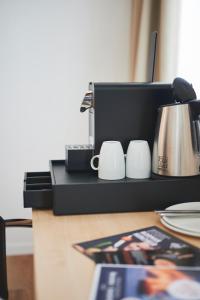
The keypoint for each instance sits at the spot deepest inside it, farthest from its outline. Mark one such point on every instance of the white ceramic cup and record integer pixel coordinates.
(111, 164)
(138, 160)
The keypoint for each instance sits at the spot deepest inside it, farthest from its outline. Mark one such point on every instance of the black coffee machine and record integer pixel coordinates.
(124, 111)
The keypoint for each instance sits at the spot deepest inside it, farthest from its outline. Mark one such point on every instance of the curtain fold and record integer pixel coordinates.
(162, 16)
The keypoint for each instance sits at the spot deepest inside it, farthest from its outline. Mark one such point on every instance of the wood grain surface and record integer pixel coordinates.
(61, 272)
(20, 277)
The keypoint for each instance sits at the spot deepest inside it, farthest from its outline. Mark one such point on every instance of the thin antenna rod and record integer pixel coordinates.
(152, 56)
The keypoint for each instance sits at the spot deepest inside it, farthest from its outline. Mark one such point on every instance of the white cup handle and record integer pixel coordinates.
(92, 163)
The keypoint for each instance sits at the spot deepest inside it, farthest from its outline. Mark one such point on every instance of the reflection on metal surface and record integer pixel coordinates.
(87, 101)
(176, 142)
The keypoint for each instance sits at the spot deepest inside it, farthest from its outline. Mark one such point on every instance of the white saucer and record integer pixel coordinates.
(186, 224)
(180, 230)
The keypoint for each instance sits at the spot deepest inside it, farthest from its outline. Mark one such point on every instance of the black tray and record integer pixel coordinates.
(82, 193)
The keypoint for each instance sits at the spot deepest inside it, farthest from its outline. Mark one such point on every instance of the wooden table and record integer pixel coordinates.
(61, 272)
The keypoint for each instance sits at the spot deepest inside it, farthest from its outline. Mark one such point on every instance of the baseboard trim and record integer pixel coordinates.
(19, 248)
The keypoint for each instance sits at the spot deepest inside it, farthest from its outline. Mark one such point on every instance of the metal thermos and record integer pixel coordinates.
(176, 145)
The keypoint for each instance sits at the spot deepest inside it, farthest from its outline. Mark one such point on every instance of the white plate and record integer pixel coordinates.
(185, 224)
(191, 233)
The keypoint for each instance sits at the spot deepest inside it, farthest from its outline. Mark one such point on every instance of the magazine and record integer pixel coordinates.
(123, 282)
(147, 246)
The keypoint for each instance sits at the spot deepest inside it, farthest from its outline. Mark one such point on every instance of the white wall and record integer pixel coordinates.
(50, 50)
(189, 44)
(169, 38)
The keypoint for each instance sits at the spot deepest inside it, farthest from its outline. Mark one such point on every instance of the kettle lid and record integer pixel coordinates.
(183, 91)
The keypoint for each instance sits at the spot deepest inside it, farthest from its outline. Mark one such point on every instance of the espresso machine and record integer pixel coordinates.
(123, 111)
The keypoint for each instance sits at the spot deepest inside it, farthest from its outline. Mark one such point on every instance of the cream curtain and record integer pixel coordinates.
(162, 16)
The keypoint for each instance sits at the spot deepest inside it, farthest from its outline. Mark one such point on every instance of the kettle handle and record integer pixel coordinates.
(197, 136)
(195, 107)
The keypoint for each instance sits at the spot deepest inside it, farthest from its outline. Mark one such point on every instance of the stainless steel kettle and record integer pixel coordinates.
(176, 150)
